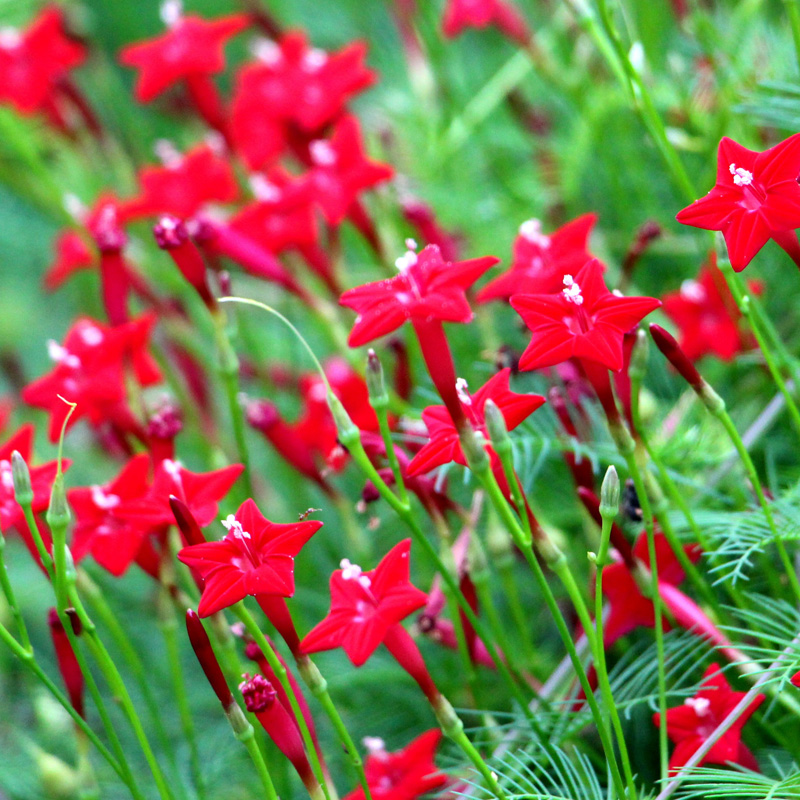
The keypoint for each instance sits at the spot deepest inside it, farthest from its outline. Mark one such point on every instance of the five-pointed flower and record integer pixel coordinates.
(185, 183)
(341, 170)
(192, 47)
(405, 774)
(293, 92)
(111, 539)
(366, 605)
(444, 445)
(427, 288)
(462, 14)
(756, 198)
(585, 320)
(33, 61)
(540, 261)
(691, 724)
(90, 371)
(256, 556)
(707, 315)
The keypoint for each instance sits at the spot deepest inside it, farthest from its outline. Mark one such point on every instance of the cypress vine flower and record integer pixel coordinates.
(462, 14)
(756, 198)
(255, 557)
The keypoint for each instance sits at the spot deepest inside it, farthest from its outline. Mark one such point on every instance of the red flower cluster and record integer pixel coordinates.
(462, 14)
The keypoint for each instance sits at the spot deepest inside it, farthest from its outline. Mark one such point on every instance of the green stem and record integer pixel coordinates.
(280, 673)
(229, 371)
(319, 688)
(245, 733)
(8, 591)
(28, 660)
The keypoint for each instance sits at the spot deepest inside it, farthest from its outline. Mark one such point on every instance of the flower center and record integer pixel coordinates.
(406, 261)
(171, 12)
(692, 290)
(234, 527)
(741, 176)
(352, 572)
(103, 500)
(61, 355)
(266, 51)
(6, 476)
(572, 291)
(701, 705)
(322, 154)
(462, 391)
(531, 230)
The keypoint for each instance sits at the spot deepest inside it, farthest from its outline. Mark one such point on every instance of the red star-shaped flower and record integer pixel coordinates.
(462, 14)
(192, 47)
(72, 255)
(444, 445)
(691, 724)
(366, 605)
(33, 61)
(255, 557)
(707, 315)
(542, 260)
(427, 288)
(405, 774)
(291, 93)
(185, 184)
(341, 170)
(90, 371)
(585, 320)
(629, 608)
(113, 541)
(200, 492)
(756, 198)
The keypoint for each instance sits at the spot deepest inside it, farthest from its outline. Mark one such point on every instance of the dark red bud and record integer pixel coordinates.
(208, 661)
(186, 522)
(170, 232)
(258, 693)
(669, 346)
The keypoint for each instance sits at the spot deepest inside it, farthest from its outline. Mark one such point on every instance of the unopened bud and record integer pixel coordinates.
(58, 516)
(376, 386)
(22, 479)
(610, 494)
(472, 443)
(208, 661)
(348, 431)
(496, 427)
(258, 693)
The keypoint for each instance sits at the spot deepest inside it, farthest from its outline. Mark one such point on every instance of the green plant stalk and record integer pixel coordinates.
(8, 591)
(723, 416)
(453, 728)
(381, 409)
(245, 733)
(280, 672)
(405, 513)
(319, 688)
(645, 108)
(793, 12)
(560, 566)
(600, 655)
(658, 607)
(116, 684)
(750, 311)
(229, 371)
(29, 662)
(511, 592)
(92, 592)
(168, 625)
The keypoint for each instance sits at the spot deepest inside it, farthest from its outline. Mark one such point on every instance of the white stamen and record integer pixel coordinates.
(264, 190)
(406, 261)
(701, 705)
(167, 153)
(314, 59)
(232, 525)
(168, 223)
(61, 355)
(216, 141)
(74, 207)
(531, 230)
(462, 391)
(322, 154)
(572, 291)
(173, 469)
(411, 244)
(266, 51)
(374, 744)
(171, 12)
(741, 176)
(6, 475)
(352, 572)
(693, 290)
(10, 38)
(103, 500)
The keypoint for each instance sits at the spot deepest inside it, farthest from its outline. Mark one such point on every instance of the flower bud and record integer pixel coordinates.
(58, 515)
(376, 386)
(22, 479)
(348, 432)
(258, 693)
(186, 522)
(496, 427)
(610, 494)
(208, 660)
